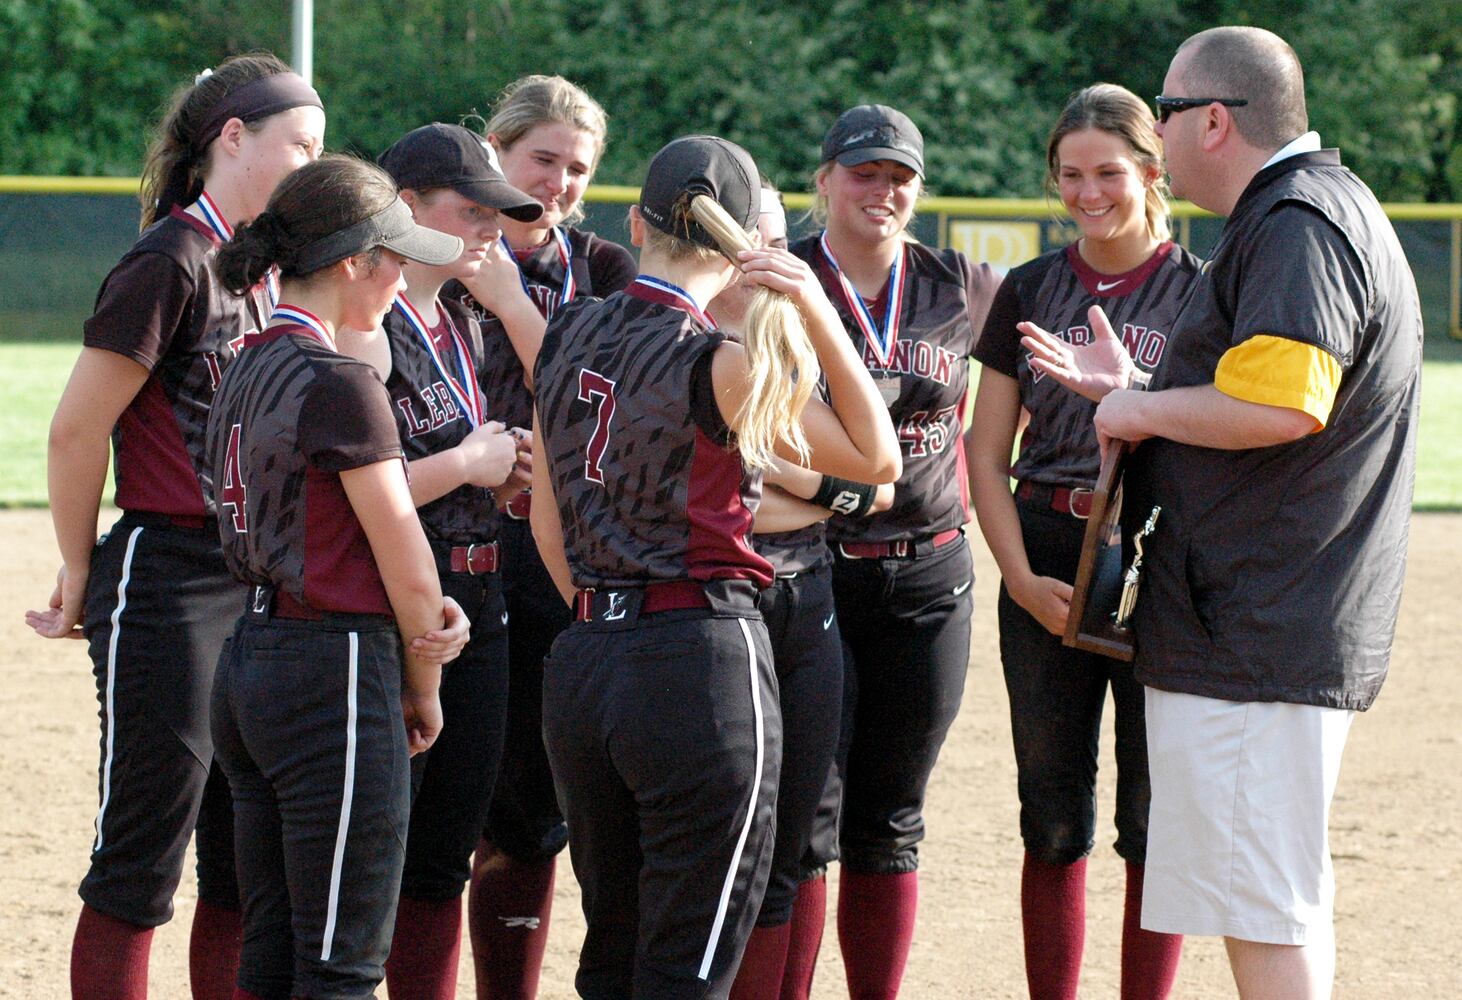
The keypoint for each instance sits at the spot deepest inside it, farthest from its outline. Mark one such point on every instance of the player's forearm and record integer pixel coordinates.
(76, 472)
(854, 397)
(998, 519)
(434, 476)
(780, 511)
(524, 325)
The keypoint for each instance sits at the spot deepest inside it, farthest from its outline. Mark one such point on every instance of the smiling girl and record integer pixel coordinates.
(153, 597)
(901, 578)
(1105, 162)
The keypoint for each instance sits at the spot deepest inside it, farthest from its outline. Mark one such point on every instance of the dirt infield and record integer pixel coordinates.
(1396, 827)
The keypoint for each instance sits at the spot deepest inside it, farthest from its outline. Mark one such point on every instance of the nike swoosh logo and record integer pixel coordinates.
(1102, 286)
(505, 617)
(961, 588)
(828, 622)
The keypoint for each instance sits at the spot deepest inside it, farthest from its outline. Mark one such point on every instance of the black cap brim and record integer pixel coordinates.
(869, 154)
(504, 197)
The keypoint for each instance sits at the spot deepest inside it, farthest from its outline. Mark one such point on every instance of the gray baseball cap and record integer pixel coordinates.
(392, 228)
(874, 132)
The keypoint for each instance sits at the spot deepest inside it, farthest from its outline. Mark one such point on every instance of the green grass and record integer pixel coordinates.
(31, 379)
(32, 376)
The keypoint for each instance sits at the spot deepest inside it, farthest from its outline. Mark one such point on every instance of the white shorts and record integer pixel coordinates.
(1238, 834)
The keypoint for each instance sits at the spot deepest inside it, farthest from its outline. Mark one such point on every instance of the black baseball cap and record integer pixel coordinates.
(874, 132)
(700, 164)
(450, 156)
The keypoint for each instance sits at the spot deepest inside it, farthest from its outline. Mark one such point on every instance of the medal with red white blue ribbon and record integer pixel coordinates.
(304, 318)
(211, 215)
(881, 340)
(464, 390)
(653, 289)
(569, 287)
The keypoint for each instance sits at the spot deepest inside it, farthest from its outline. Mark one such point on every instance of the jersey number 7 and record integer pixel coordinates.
(598, 391)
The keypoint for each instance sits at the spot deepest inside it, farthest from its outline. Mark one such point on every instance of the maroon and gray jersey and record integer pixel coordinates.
(944, 299)
(430, 417)
(649, 488)
(289, 417)
(163, 307)
(1055, 291)
(598, 267)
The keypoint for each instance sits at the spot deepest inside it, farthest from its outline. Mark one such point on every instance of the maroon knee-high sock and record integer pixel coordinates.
(109, 958)
(762, 963)
(875, 926)
(508, 911)
(213, 951)
(424, 950)
(1053, 915)
(242, 994)
(1149, 959)
(809, 913)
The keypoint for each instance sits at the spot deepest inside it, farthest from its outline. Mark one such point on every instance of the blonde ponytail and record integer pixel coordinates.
(783, 365)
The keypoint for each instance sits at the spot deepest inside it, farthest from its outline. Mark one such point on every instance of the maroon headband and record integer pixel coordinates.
(257, 99)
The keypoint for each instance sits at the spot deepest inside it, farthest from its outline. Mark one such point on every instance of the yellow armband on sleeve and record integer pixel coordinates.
(1276, 371)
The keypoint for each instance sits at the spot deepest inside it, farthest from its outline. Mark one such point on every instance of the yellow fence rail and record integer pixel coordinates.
(959, 219)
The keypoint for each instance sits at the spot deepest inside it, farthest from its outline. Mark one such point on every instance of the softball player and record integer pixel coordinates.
(660, 711)
(548, 136)
(901, 578)
(317, 516)
(1105, 162)
(455, 455)
(807, 652)
(153, 597)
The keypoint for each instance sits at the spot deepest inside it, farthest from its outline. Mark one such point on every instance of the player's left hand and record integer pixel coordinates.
(62, 617)
(443, 645)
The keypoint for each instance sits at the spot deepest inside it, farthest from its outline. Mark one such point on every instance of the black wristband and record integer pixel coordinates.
(843, 496)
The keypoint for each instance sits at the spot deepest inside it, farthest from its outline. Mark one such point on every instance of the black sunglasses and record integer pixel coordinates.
(1169, 106)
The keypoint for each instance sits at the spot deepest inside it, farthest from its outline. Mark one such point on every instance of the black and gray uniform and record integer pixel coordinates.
(1275, 573)
(159, 599)
(432, 390)
(307, 698)
(524, 820)
(1057, 693)
(660, 702)
(807, 650)
(901, 578)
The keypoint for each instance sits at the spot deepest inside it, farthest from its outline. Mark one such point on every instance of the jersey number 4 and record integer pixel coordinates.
(233, 495)
(597, 391)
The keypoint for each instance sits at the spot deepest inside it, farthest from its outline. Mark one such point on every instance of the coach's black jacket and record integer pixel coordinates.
(1275, 573)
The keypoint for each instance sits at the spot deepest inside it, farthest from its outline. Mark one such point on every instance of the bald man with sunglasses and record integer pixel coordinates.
(1278, 437)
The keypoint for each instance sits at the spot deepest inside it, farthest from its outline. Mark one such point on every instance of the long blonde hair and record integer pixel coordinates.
(783, 368)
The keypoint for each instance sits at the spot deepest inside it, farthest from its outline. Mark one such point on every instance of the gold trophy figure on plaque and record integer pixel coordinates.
(1122, 617)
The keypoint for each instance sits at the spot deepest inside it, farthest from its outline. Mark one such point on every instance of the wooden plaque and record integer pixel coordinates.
(1098, 586)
